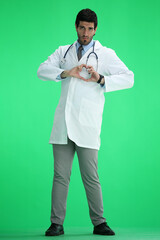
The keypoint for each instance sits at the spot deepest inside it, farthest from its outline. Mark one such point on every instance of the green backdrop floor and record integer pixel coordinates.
(85, 233)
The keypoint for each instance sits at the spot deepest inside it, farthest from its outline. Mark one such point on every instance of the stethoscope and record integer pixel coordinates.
(93, 52)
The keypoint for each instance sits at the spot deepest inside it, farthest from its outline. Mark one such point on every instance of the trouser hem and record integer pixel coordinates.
(97, 223)
(57, 222)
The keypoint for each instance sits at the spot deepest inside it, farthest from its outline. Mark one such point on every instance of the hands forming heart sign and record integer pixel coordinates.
(76, 72)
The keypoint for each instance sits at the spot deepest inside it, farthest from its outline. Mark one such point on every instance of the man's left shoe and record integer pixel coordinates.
(54, 230)
(103, 229)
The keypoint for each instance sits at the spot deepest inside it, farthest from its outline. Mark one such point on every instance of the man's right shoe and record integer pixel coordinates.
(103, 229)
(54, 230)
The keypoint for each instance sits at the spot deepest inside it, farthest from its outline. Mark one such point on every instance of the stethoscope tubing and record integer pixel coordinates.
(93, 52)
(67, 51)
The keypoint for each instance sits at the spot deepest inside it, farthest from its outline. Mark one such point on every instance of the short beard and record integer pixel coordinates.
(83, 43)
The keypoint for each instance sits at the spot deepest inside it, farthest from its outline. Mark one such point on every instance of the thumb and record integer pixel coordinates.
(82, 65)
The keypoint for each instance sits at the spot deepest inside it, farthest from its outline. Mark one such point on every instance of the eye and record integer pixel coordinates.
(90, 29)
(81, 27)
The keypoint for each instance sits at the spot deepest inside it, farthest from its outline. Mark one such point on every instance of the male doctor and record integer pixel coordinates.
(86, 71)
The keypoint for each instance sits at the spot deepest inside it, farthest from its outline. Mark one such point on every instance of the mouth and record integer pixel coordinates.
(85, 38)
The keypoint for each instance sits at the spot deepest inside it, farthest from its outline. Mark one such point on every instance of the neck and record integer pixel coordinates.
(84, 44)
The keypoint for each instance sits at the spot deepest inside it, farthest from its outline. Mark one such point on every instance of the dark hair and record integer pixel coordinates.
(86, 15)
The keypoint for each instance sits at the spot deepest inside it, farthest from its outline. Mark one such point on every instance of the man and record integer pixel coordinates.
(86, 70)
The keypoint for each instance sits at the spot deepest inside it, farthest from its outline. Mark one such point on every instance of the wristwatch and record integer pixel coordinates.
(100, 79)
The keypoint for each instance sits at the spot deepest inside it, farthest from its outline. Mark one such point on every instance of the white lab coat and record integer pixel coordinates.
(80, 108)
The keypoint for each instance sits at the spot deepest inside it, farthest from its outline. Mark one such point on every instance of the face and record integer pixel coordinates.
(85, 32)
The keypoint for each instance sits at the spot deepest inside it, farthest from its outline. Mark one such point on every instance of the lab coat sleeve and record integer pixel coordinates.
(117, 75)
(50, 69)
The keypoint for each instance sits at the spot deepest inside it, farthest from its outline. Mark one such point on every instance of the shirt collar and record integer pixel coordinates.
(85, 47)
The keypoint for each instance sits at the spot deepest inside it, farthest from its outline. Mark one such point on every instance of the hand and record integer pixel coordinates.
(74, 72)
(94, 75)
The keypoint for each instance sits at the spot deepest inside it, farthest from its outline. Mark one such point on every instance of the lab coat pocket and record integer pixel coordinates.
(90, 114)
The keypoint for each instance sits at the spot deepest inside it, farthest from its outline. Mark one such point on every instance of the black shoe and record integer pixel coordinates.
(103, 229)
(54, 230)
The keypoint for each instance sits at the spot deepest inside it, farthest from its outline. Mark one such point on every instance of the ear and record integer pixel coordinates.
(76, 26)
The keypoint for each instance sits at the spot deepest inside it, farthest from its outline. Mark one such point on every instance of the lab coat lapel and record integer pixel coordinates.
(84, 57)
(72, 54)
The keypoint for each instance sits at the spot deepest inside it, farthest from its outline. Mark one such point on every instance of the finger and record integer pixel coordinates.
(86, 80)
(89, 66)
(80, 67)
(91, 71)
(81, 78)
(83, 65)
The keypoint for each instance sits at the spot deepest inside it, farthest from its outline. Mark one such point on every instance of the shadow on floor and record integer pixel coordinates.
(85, 234)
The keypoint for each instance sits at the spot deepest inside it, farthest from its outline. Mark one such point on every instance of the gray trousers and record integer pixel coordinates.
(88, 161)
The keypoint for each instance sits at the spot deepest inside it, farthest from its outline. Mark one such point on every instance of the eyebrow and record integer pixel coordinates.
(85, 27)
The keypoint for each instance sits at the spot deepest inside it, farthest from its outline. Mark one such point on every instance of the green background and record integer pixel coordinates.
(129, 157)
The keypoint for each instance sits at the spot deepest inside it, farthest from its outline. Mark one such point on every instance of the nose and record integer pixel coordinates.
(85, 32)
